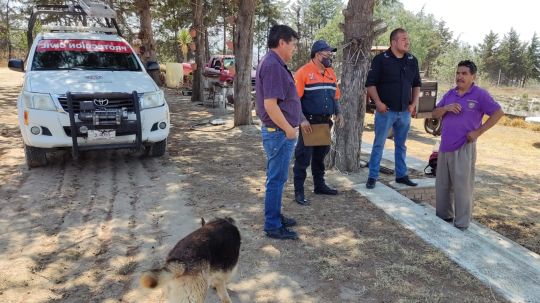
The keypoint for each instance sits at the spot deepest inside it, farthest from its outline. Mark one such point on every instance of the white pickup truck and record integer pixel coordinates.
(88, 90)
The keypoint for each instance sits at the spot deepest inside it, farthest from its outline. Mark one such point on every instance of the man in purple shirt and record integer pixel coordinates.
(279, 108)
(461, 109)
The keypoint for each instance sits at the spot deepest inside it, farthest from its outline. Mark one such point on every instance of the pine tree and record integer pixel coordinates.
(267, 13)
(310, 16)
(511, 57)
(533, 59)
(488, 56)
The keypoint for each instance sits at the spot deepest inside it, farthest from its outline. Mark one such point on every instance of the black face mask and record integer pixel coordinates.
(326, 62)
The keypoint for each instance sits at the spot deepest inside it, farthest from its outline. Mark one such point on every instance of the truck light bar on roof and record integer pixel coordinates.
(55, 28)
(94, 8)
(85, 8)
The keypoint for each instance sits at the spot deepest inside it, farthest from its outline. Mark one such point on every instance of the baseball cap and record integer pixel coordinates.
(321, 45)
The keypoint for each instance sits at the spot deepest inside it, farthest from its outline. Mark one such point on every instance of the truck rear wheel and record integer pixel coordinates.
(390, 133)
(35, 157)
(158, 149)
(433, 126)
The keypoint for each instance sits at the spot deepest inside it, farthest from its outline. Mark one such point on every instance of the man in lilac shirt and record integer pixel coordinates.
(461, 109)
(279, 108)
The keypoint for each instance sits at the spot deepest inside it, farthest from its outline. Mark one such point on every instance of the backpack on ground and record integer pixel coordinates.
(431, 168)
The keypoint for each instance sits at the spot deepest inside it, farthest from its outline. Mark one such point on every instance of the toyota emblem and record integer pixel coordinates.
(101, 102)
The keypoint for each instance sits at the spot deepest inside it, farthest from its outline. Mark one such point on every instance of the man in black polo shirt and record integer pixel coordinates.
(393, 82)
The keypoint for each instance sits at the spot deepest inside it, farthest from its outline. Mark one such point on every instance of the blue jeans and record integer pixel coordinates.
(278, 151)
(400, 122)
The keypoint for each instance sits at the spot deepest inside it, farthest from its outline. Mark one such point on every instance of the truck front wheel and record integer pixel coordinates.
(158, 149)
(35, 157)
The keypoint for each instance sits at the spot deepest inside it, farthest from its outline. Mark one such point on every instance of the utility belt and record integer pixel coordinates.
(318, 119)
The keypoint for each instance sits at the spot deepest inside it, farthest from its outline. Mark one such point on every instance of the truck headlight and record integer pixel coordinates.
(154, 99)
(38, 101)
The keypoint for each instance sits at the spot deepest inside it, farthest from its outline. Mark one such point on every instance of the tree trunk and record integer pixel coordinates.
(126, 30)
(243, 51)
(257, 38)
(427, 68)
(177, 46)
(197, 88)
(147, 37)
(206, 46)
(224, 9)
(8, 34)
(358, 30)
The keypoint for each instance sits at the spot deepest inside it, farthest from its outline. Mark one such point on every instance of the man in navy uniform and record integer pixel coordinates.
(317, 87)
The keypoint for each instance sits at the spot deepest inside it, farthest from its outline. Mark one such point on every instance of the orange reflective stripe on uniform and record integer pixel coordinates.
(318, 90)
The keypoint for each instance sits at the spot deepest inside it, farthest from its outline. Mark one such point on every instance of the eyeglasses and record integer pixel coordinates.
(327, 54)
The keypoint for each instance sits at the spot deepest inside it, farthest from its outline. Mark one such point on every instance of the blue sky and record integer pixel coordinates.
(471, 20)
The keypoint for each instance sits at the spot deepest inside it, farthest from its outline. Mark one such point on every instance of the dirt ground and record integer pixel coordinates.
(80, 232)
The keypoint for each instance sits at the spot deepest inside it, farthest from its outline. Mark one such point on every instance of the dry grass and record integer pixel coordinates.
(519, 123)
(530, 92)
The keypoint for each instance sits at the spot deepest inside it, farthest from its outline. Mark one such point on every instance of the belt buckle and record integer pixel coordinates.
(271, 129)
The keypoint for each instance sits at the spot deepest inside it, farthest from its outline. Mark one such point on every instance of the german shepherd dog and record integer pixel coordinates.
(206, 257)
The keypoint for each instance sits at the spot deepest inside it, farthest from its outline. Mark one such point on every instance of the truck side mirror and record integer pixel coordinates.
(152, 66)
(16, 65)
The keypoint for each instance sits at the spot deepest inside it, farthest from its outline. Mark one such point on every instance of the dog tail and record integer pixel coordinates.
(149, 279)
(157, 277)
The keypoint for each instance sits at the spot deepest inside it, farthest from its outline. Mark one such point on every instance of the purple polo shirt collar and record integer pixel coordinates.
(277, 57)
(469, 91)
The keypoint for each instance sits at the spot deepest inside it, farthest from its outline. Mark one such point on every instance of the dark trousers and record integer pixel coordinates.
(303, 155)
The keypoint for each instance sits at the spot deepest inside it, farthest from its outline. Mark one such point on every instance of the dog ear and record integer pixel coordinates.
(202, 221)
(230, 220)
(177, 269)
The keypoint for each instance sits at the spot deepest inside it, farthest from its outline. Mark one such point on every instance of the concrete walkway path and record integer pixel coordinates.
(502, 264)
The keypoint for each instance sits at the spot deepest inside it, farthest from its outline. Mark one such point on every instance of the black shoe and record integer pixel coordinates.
(462, 228)
(300, 199)
(325, 190)
(405, 180)
(370, 184)
(282, 233)
(449, 220)
(287, 222)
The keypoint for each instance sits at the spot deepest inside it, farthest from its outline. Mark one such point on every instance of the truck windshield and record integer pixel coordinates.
(57, 54)
(227, 62)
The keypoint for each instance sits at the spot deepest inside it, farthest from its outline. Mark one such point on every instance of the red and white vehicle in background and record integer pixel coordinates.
(221, 68)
